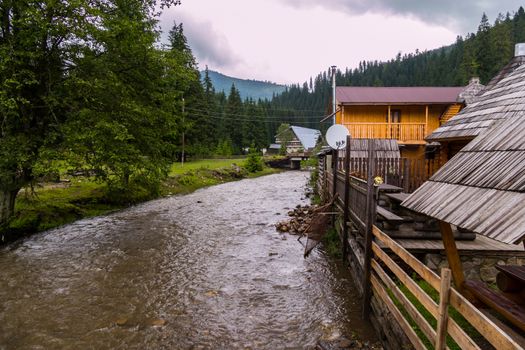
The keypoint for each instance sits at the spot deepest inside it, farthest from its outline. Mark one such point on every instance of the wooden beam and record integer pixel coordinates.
(454, 262)
(389, 123)
(369, 236)
(426, 120)
(442, 319)
(346, 200)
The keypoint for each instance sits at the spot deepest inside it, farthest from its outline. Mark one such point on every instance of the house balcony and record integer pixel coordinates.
(405, 133)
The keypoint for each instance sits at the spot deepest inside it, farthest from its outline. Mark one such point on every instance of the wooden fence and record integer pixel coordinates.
(406, 173)
(374, 258)
(390, 291)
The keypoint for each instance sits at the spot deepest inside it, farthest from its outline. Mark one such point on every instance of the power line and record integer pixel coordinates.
(194, 110)
(261, 119)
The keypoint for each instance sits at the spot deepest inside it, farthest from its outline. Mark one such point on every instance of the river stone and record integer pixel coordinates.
(158, 323)
(488, 274)
(121, 322)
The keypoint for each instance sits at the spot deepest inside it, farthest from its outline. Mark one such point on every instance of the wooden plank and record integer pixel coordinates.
(514, 271)
(388, 215)
(506, 307)
(454, 262)
(370, 216)
(442, 320)
(486, 327)
(412, 286)
(346, 200)
(427, 274)
(460, 336)
(398, 197)
(411, 334)
(422, 323)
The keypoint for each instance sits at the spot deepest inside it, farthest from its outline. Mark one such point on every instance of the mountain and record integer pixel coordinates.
(254, 89)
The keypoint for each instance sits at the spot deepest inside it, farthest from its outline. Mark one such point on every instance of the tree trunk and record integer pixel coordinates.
(7, 204)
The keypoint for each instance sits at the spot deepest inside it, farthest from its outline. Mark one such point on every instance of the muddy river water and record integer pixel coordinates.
(206, 270)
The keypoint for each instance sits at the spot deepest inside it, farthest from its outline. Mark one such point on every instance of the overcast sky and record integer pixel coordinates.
(287, 41)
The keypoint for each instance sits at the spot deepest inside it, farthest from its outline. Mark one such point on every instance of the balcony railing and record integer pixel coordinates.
(404, 132)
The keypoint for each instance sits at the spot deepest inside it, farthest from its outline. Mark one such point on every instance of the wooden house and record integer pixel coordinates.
(303, 140)
(406, 114)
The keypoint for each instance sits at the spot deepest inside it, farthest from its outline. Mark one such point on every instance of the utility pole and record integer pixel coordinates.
(334, 104)
(183, 130)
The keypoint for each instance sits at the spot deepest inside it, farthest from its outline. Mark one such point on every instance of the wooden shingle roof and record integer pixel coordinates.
(494, 103)
(482, 188)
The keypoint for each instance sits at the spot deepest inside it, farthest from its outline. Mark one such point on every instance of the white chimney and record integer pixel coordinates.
(519, 50)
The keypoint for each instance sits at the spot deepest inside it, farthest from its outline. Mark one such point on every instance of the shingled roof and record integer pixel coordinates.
(482, 188)
(493, 103)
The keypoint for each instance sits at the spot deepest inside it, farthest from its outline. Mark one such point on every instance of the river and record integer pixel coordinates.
(202, 271)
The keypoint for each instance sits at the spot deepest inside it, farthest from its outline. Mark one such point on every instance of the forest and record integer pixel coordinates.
(88, 84)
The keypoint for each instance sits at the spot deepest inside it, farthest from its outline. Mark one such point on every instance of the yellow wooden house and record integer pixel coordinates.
(406, 114)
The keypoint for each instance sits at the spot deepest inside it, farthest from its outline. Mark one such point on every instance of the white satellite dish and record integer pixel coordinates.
(336, 136)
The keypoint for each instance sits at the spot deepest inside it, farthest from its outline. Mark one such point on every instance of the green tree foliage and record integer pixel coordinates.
(37, 41)
(81, 77)
(254, 161)
(126, 131)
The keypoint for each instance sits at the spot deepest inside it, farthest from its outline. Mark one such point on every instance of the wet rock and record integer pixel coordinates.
(301, 218)
(121, 322)
(158, 323)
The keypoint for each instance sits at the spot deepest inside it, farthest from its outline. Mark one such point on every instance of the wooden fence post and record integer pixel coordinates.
(444, 298)
(335, 154)
(406, 175)
(346, 212)
(370, 216)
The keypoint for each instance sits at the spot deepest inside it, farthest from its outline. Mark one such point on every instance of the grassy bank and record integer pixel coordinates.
(55, 204)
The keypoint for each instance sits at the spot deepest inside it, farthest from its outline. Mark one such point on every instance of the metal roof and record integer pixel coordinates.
(482, 188)
(308, 137)
(504, 94)
(397, 95)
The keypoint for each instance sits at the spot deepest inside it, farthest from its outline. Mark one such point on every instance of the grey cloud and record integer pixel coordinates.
(207, 44)
(462, 15)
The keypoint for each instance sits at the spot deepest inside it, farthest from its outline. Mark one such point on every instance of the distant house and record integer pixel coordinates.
(406, 114)
(482, 188)
(303, 140)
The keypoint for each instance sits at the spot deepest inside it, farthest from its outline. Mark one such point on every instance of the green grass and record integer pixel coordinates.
(178, 168)
(54, 205)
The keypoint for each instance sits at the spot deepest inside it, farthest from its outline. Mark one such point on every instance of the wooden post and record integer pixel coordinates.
(406, 175)
(370, 216)
(426, 121)
(444, 298)
(454, 262)
(389, 124)
(335, 155)
(346, 212)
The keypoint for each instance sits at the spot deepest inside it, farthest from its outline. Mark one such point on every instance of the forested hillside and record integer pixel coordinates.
(481, 54)
(253, 89)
